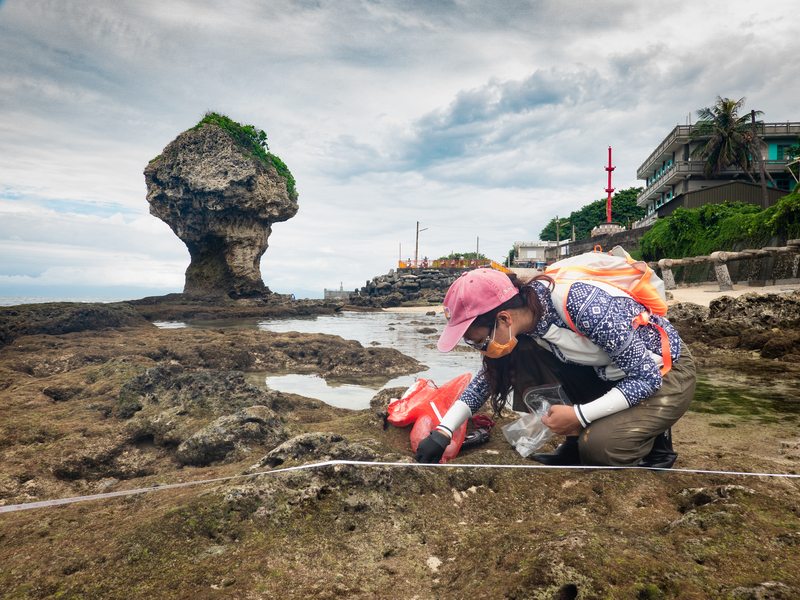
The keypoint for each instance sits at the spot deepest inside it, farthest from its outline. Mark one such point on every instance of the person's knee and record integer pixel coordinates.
(597, 449)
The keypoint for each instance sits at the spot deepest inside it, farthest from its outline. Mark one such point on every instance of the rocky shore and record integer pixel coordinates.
(95, 398)
(430, 285)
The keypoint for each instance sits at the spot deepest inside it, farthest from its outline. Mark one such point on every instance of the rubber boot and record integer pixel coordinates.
(662, 456)
(566, 454)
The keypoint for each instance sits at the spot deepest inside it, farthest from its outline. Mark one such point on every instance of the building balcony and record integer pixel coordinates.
(676, 138)
(681, 170)
(681, 135)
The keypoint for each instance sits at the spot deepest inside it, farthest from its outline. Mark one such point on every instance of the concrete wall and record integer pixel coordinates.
(628, 239)
(335, 294)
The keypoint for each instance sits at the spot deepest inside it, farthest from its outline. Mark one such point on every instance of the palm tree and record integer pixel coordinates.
(732, 140)
(729, 137)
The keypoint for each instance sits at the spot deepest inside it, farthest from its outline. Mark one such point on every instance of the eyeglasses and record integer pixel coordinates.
(485, 345)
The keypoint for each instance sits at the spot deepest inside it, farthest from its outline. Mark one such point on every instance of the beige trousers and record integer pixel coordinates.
(626, 437)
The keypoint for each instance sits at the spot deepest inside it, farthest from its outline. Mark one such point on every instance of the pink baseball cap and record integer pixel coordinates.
(473, 294)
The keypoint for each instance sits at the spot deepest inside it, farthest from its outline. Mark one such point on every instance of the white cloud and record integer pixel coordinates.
(475, 119)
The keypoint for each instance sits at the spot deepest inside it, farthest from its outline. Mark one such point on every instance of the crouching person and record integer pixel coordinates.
(609, 365)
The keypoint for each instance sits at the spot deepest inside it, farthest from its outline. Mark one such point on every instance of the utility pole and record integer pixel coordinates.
(477, 249)
(416, 247)
(558, 230)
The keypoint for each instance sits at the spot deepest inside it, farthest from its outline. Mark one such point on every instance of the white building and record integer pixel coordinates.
(532, 253)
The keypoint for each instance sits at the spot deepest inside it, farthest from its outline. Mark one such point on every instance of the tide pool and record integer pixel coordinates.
(413, 334)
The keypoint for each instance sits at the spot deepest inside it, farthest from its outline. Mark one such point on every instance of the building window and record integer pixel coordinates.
(781, 151)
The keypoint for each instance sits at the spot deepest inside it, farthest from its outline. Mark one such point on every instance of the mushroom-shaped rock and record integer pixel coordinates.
(220, 192)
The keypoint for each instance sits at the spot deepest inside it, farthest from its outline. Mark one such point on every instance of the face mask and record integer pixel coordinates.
(495, 350)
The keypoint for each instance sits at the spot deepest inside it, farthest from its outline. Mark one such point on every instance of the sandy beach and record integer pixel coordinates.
(704, 294)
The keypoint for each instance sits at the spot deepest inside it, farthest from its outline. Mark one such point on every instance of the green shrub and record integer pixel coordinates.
(701, 231)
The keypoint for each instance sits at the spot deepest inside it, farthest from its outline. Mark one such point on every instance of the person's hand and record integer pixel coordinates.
(431, 449)
(562, 420)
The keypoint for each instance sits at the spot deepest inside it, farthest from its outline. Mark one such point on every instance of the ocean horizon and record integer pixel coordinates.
(17, 300)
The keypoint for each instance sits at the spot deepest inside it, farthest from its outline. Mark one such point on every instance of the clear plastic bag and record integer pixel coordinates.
(552, 393)
(527, 434)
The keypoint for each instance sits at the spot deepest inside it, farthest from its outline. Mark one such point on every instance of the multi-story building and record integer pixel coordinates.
(673, 178)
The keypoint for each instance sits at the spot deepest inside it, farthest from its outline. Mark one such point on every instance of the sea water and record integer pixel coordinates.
(17, 300)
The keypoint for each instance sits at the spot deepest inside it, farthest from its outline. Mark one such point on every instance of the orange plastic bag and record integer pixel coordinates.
(418, 399)
(404, 411)
(425, 405)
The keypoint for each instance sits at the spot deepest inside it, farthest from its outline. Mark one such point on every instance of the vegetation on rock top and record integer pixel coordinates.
(253, 141)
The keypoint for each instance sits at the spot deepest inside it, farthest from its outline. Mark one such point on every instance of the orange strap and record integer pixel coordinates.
(641, 319)
(666, 353)
(601, 273)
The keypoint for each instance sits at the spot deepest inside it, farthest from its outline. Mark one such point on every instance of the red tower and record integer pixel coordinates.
(609, 189)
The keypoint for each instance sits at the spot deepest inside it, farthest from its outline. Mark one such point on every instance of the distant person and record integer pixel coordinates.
(623, 407)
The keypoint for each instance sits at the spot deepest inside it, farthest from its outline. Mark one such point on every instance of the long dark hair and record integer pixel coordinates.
(500, 372)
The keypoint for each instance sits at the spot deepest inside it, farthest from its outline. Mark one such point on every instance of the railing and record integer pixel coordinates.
(684, 131)
(645, 221)
(464, 263)
(688, 167)
(678, 132)
(719, 260)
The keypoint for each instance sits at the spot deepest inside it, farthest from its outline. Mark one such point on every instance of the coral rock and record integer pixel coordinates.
(221, 204)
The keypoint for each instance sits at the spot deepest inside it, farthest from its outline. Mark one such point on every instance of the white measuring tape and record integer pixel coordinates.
(46, 503)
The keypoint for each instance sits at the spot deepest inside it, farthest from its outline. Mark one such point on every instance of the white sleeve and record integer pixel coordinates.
(609, 403)
(454, 417)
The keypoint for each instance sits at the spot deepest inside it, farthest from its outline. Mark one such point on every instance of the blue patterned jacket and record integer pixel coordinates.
(623, 353)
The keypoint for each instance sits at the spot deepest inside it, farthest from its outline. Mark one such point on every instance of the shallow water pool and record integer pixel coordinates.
(401, 331)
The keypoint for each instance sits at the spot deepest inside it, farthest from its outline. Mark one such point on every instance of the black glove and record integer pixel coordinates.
(431, 449)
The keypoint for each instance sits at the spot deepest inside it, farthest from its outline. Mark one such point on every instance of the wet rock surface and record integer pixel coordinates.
(183, 307)
(222, 204)
(382, 399)
(768, 324)
(225, 350)
(167, 387)
(228, 437)
(57, 318)
(106, 410)
(315, 447)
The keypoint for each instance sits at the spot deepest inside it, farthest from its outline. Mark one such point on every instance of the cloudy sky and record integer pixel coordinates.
(481, 120)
